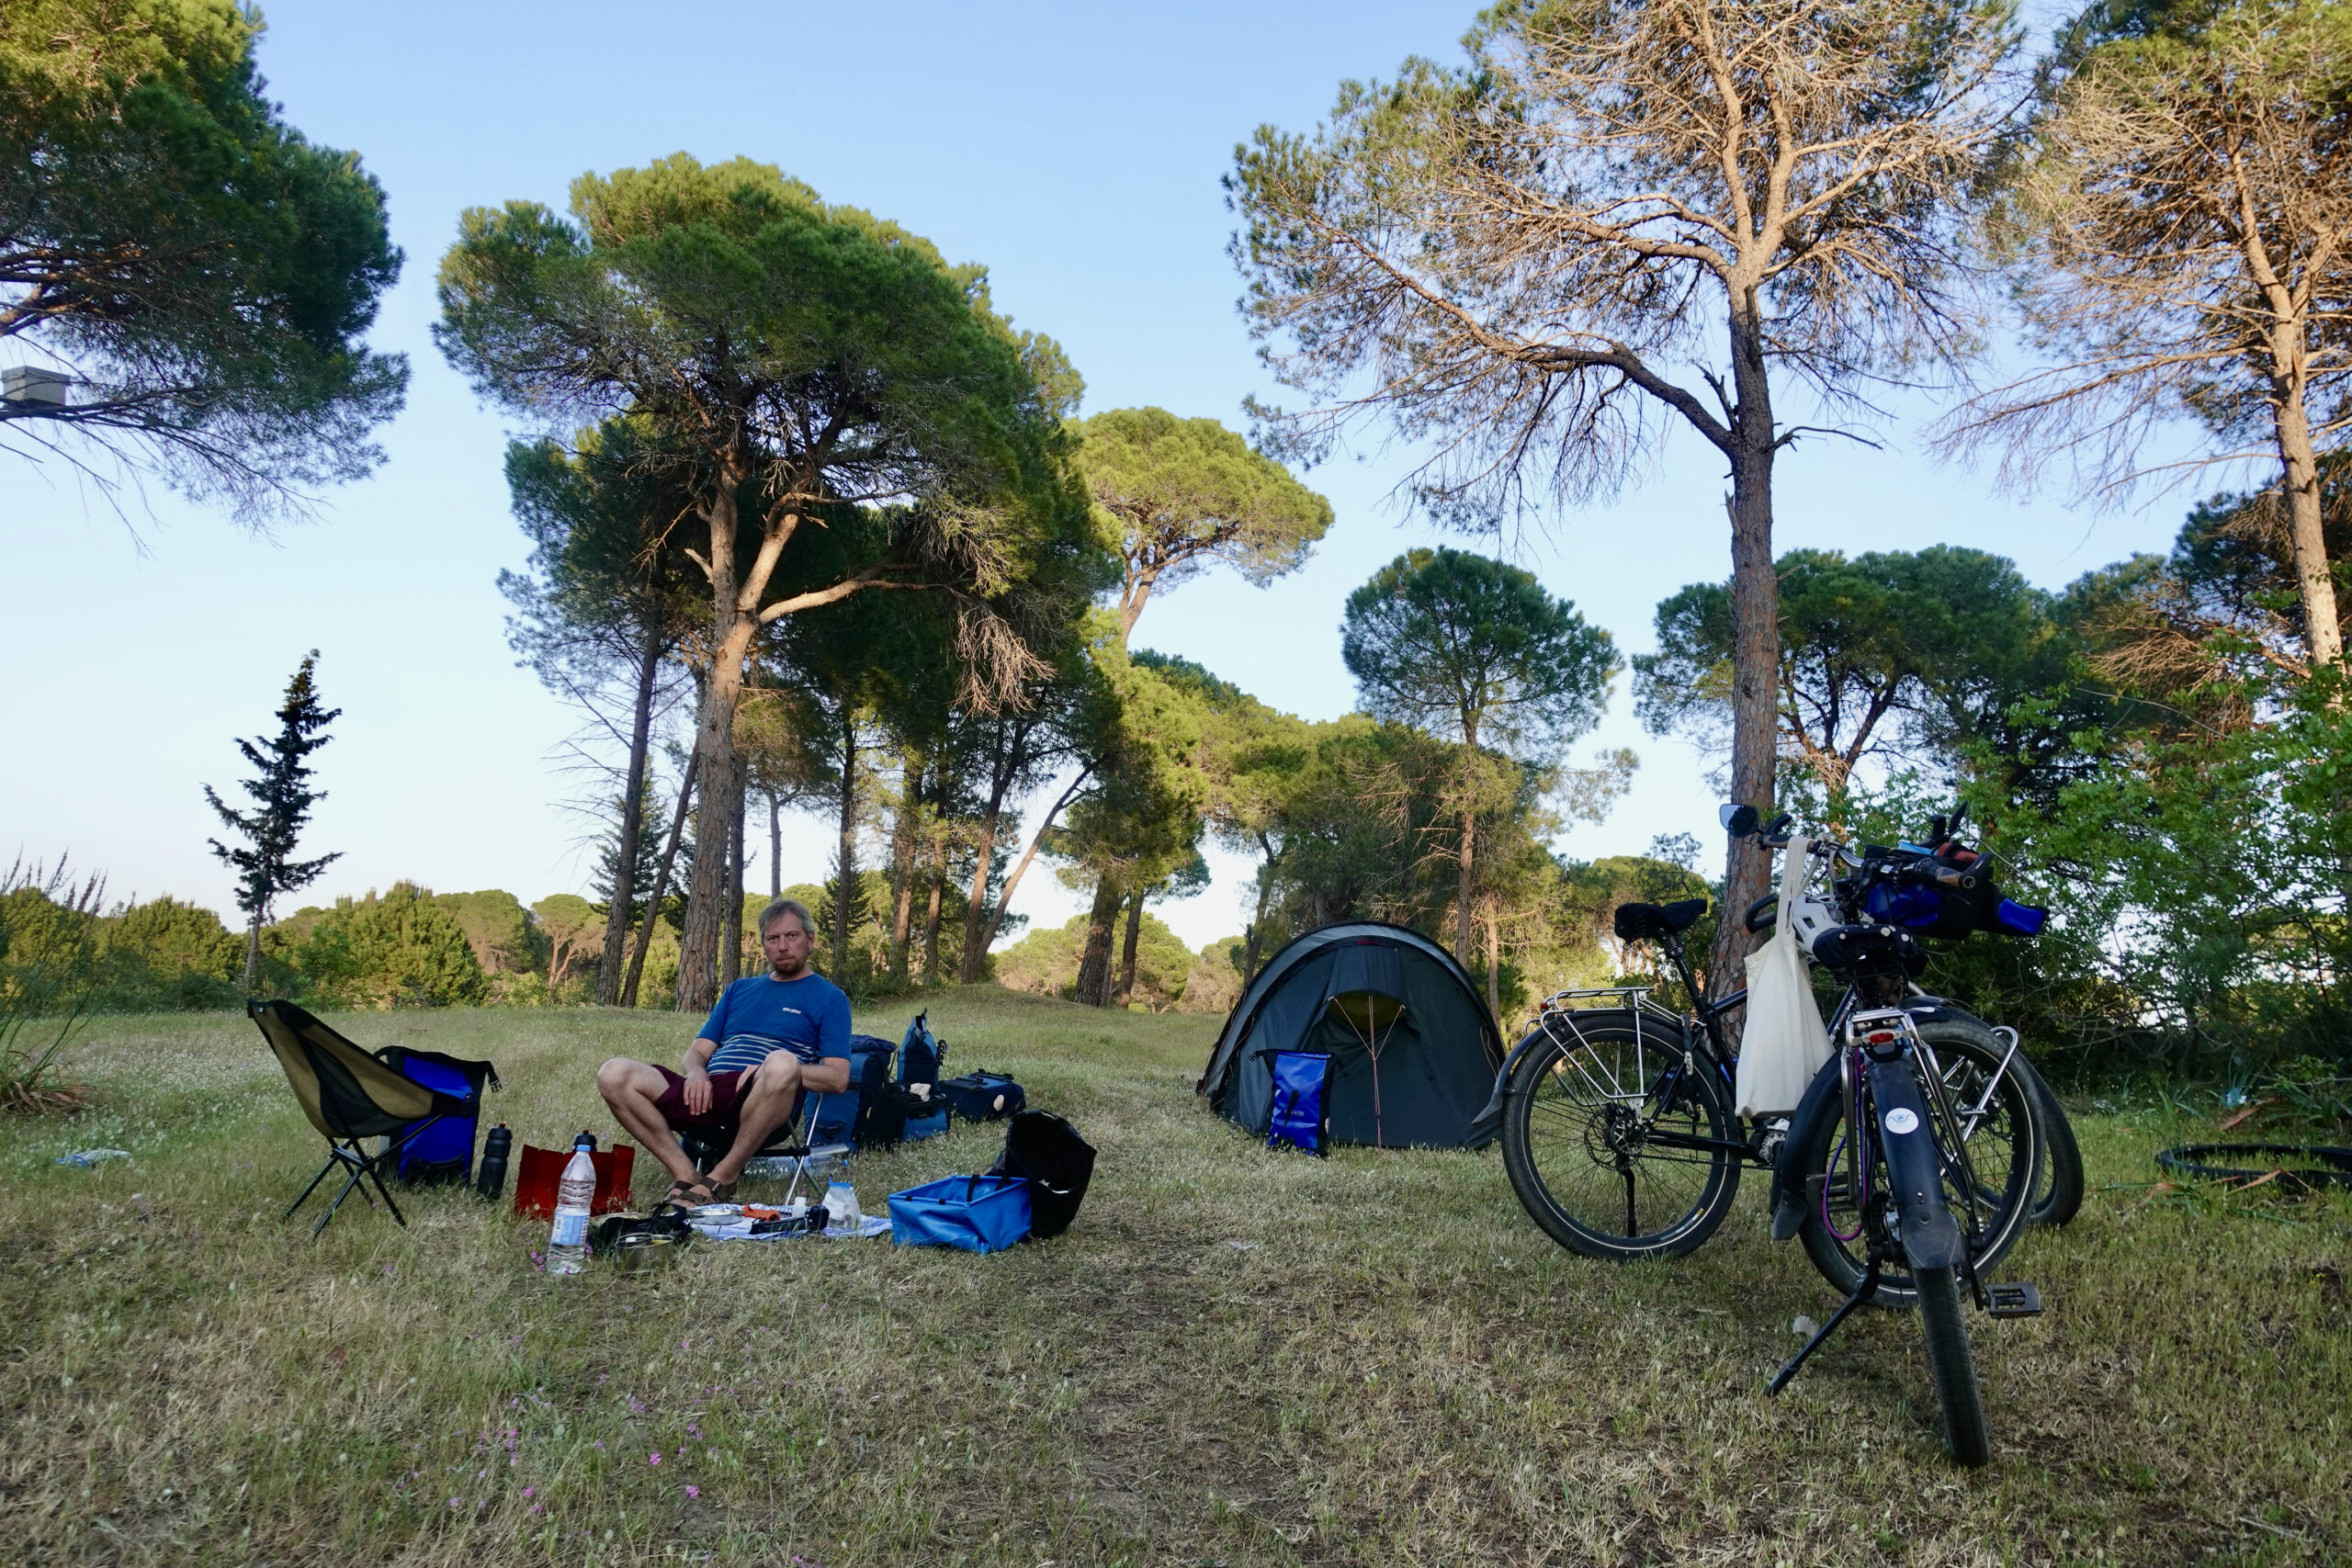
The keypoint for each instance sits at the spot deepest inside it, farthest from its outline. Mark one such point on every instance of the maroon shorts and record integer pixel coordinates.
(727, 1092)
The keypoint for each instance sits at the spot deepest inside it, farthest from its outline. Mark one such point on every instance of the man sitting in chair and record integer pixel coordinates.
(771, 1037)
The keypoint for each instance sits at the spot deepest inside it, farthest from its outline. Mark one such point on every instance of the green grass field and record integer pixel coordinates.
(1234, 1358)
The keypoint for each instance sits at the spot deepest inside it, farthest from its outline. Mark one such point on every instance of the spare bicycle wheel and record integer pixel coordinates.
(2291, 1168)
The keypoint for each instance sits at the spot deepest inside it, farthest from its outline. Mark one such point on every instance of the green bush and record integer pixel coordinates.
(398, 949)
(166, 956)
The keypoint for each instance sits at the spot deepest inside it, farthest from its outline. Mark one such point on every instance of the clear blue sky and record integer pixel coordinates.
(1074, 150)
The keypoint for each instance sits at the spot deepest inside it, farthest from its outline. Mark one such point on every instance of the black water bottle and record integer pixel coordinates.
(491, 1179)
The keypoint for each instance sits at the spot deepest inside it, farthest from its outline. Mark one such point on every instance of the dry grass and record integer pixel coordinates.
(1235, 1358)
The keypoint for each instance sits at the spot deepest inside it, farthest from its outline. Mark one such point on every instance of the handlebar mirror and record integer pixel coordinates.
(1739, 820)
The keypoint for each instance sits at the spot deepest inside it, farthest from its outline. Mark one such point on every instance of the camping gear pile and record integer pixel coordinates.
(1363, 1032)
(422, 1111)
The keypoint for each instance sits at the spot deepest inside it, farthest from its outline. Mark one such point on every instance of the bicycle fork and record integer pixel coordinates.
(1911, 1216)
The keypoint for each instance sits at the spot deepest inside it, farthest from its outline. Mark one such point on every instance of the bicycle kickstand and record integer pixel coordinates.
(1862, 1294)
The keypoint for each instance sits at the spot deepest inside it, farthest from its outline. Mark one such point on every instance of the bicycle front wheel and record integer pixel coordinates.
(1619, 1142)
(1953, 1367)
(1998, 1110)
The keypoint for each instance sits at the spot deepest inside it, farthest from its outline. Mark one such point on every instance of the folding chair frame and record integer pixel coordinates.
(346, 1152)
(798, 1152)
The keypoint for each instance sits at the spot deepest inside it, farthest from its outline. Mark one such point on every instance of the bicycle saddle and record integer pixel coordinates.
(1888, 951)
(1637, 923)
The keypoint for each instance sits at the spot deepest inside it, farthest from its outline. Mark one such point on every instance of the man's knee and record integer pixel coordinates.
(617, 1077)
(779, 1073)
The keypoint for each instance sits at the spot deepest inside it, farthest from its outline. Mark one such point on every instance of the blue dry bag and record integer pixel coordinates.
(1300, 1117)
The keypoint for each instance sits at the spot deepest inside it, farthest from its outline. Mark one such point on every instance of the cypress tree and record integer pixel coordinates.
(266, 866)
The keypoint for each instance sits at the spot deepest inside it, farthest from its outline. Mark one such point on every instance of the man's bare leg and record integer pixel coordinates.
(631, 1088)
(762, 1111)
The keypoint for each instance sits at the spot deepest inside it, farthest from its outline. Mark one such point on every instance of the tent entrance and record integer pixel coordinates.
(1371, 1021)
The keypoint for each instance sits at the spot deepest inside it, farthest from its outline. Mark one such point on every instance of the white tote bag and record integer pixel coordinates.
(1784, 1041)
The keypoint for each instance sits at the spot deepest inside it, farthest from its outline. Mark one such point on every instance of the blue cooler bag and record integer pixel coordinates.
(977, 1213)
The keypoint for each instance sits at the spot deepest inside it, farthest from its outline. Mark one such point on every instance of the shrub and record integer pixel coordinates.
(52, 972)
(167, 956)
(399, 949)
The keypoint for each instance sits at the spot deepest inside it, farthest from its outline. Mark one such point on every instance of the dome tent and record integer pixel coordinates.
(1414, 1051)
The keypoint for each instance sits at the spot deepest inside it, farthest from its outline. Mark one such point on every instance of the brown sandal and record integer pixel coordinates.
(687, 1195)
(722, 1192)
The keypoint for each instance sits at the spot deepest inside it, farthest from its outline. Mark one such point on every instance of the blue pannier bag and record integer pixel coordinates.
(1301, 1114)
(443, 1150)
(976, 1214)
(921, 1055)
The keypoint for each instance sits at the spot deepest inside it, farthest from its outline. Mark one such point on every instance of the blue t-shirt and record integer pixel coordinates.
(808, 1017)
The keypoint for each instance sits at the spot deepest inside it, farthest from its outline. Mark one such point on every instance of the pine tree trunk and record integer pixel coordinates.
(1494, 970)
(1004, 900)
(1466, 887)
(845, 884)
(938, 880)
(1756, 634)
(1094, 965)
(2323, 630)
(732, 629)
(975, 905)
(1253, 940)
(731, 966)
(903, 865)
(776, 848)
(1126, 995)
(1004, 767)
(624, 891)
(252, 952)
(660, 889)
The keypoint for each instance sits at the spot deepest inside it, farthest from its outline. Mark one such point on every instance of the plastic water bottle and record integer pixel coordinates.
(840, 1210)
(574, 1195)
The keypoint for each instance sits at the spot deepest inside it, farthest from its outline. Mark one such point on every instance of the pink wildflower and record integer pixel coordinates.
(694, 1491)
(653, 1458)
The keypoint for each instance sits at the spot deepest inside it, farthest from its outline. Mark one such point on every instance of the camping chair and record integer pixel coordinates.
(348, 1094)
(707, 1145)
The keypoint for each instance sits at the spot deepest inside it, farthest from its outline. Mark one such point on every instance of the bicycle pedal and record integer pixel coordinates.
(2017, 1299)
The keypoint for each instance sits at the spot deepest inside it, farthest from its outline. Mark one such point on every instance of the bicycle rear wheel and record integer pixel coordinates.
(1953, 1367)
(2003, 1151)
(2058, 1194)
(1619, 1142)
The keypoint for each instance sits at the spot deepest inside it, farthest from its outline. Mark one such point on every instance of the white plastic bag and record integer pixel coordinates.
(1784, 1042)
